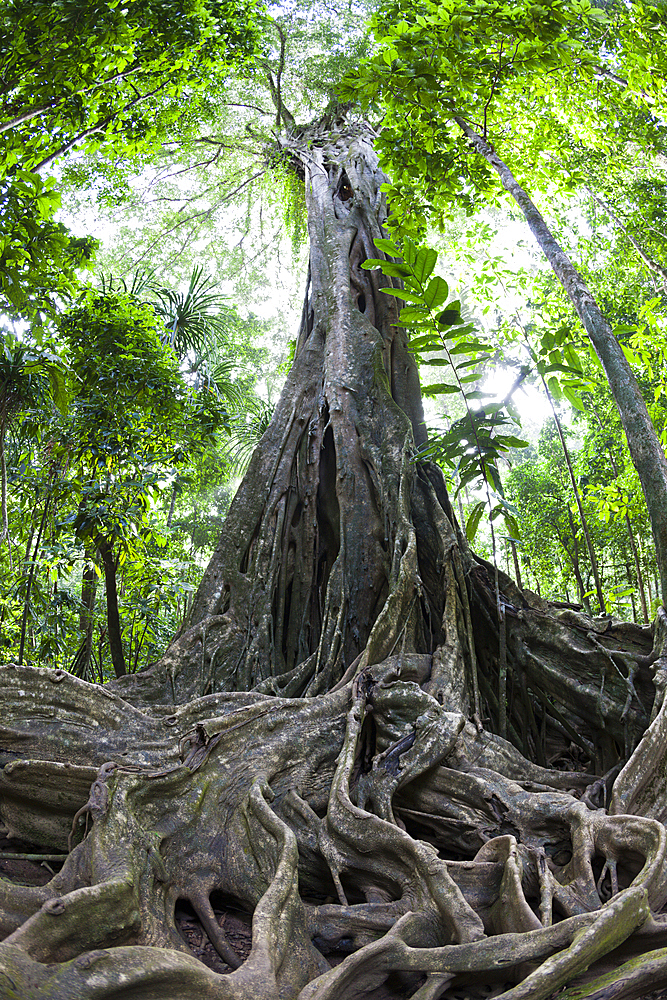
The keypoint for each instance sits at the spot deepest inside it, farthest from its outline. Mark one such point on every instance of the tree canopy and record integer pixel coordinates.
(103, 77)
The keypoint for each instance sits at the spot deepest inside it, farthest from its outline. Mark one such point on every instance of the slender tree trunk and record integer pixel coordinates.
(81, 664)
(631, 534)
(650, 263)
(172, 504)
(573, 557)
(517, 568)
(638, 570)
(3, 482)
(462, 518)
(113, 617)
(631, 540)
(88, 590)
(573, 482)
(580, 507)
(31, 576)
(631, 583)
(645, 448)
(28, 545)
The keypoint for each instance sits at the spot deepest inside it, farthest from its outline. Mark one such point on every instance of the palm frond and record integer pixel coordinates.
(247, 432)
(191, 316)
(142, 281)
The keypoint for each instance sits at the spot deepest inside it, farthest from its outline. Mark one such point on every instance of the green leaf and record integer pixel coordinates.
(401, 293)
(387, 246)
(437, 388)
(471, 475)
(410, 314)
(449, 317)
(473, 521)
(432, 348)
(437, 292)
(425, 342)
(58, 385)
(409, 252)
(493, 475)
(554, 387)
(574, 398)
(424, 263)
(393, 269)
(472, 361)
(461, 331)
(513, 526)
(572, 358)
(511, 441)
(468, 347)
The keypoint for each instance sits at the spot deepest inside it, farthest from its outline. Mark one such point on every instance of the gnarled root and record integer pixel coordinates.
(451, 856)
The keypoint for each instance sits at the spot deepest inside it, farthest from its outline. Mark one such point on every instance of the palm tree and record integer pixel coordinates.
(197, 328)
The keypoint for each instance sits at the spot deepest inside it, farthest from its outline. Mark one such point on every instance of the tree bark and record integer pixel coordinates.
(321, 527)
(172, 502)
(113, 617)
(631, 534)
(645, 448)
(31, 576)
(81, 663)
(3, 491)
(573, 557)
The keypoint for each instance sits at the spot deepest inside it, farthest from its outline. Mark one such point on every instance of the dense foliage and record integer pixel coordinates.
(126, 481)
(116, 400)
(103, 77)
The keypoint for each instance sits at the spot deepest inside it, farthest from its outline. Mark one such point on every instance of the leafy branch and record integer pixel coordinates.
(472, 445)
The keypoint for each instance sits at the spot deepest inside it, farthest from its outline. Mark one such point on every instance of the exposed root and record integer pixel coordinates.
(204, 910)
(541, 903)
(615, 924)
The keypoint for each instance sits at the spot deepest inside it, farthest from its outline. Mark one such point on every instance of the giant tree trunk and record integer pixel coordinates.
(304, 750)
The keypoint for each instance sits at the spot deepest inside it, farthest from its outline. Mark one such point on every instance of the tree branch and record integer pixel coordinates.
(35, 112)
(99, 127)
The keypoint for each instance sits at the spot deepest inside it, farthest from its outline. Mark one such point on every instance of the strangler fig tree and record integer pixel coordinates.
(316, 747)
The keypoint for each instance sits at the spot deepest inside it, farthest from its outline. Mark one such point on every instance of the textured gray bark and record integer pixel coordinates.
(317, 745)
